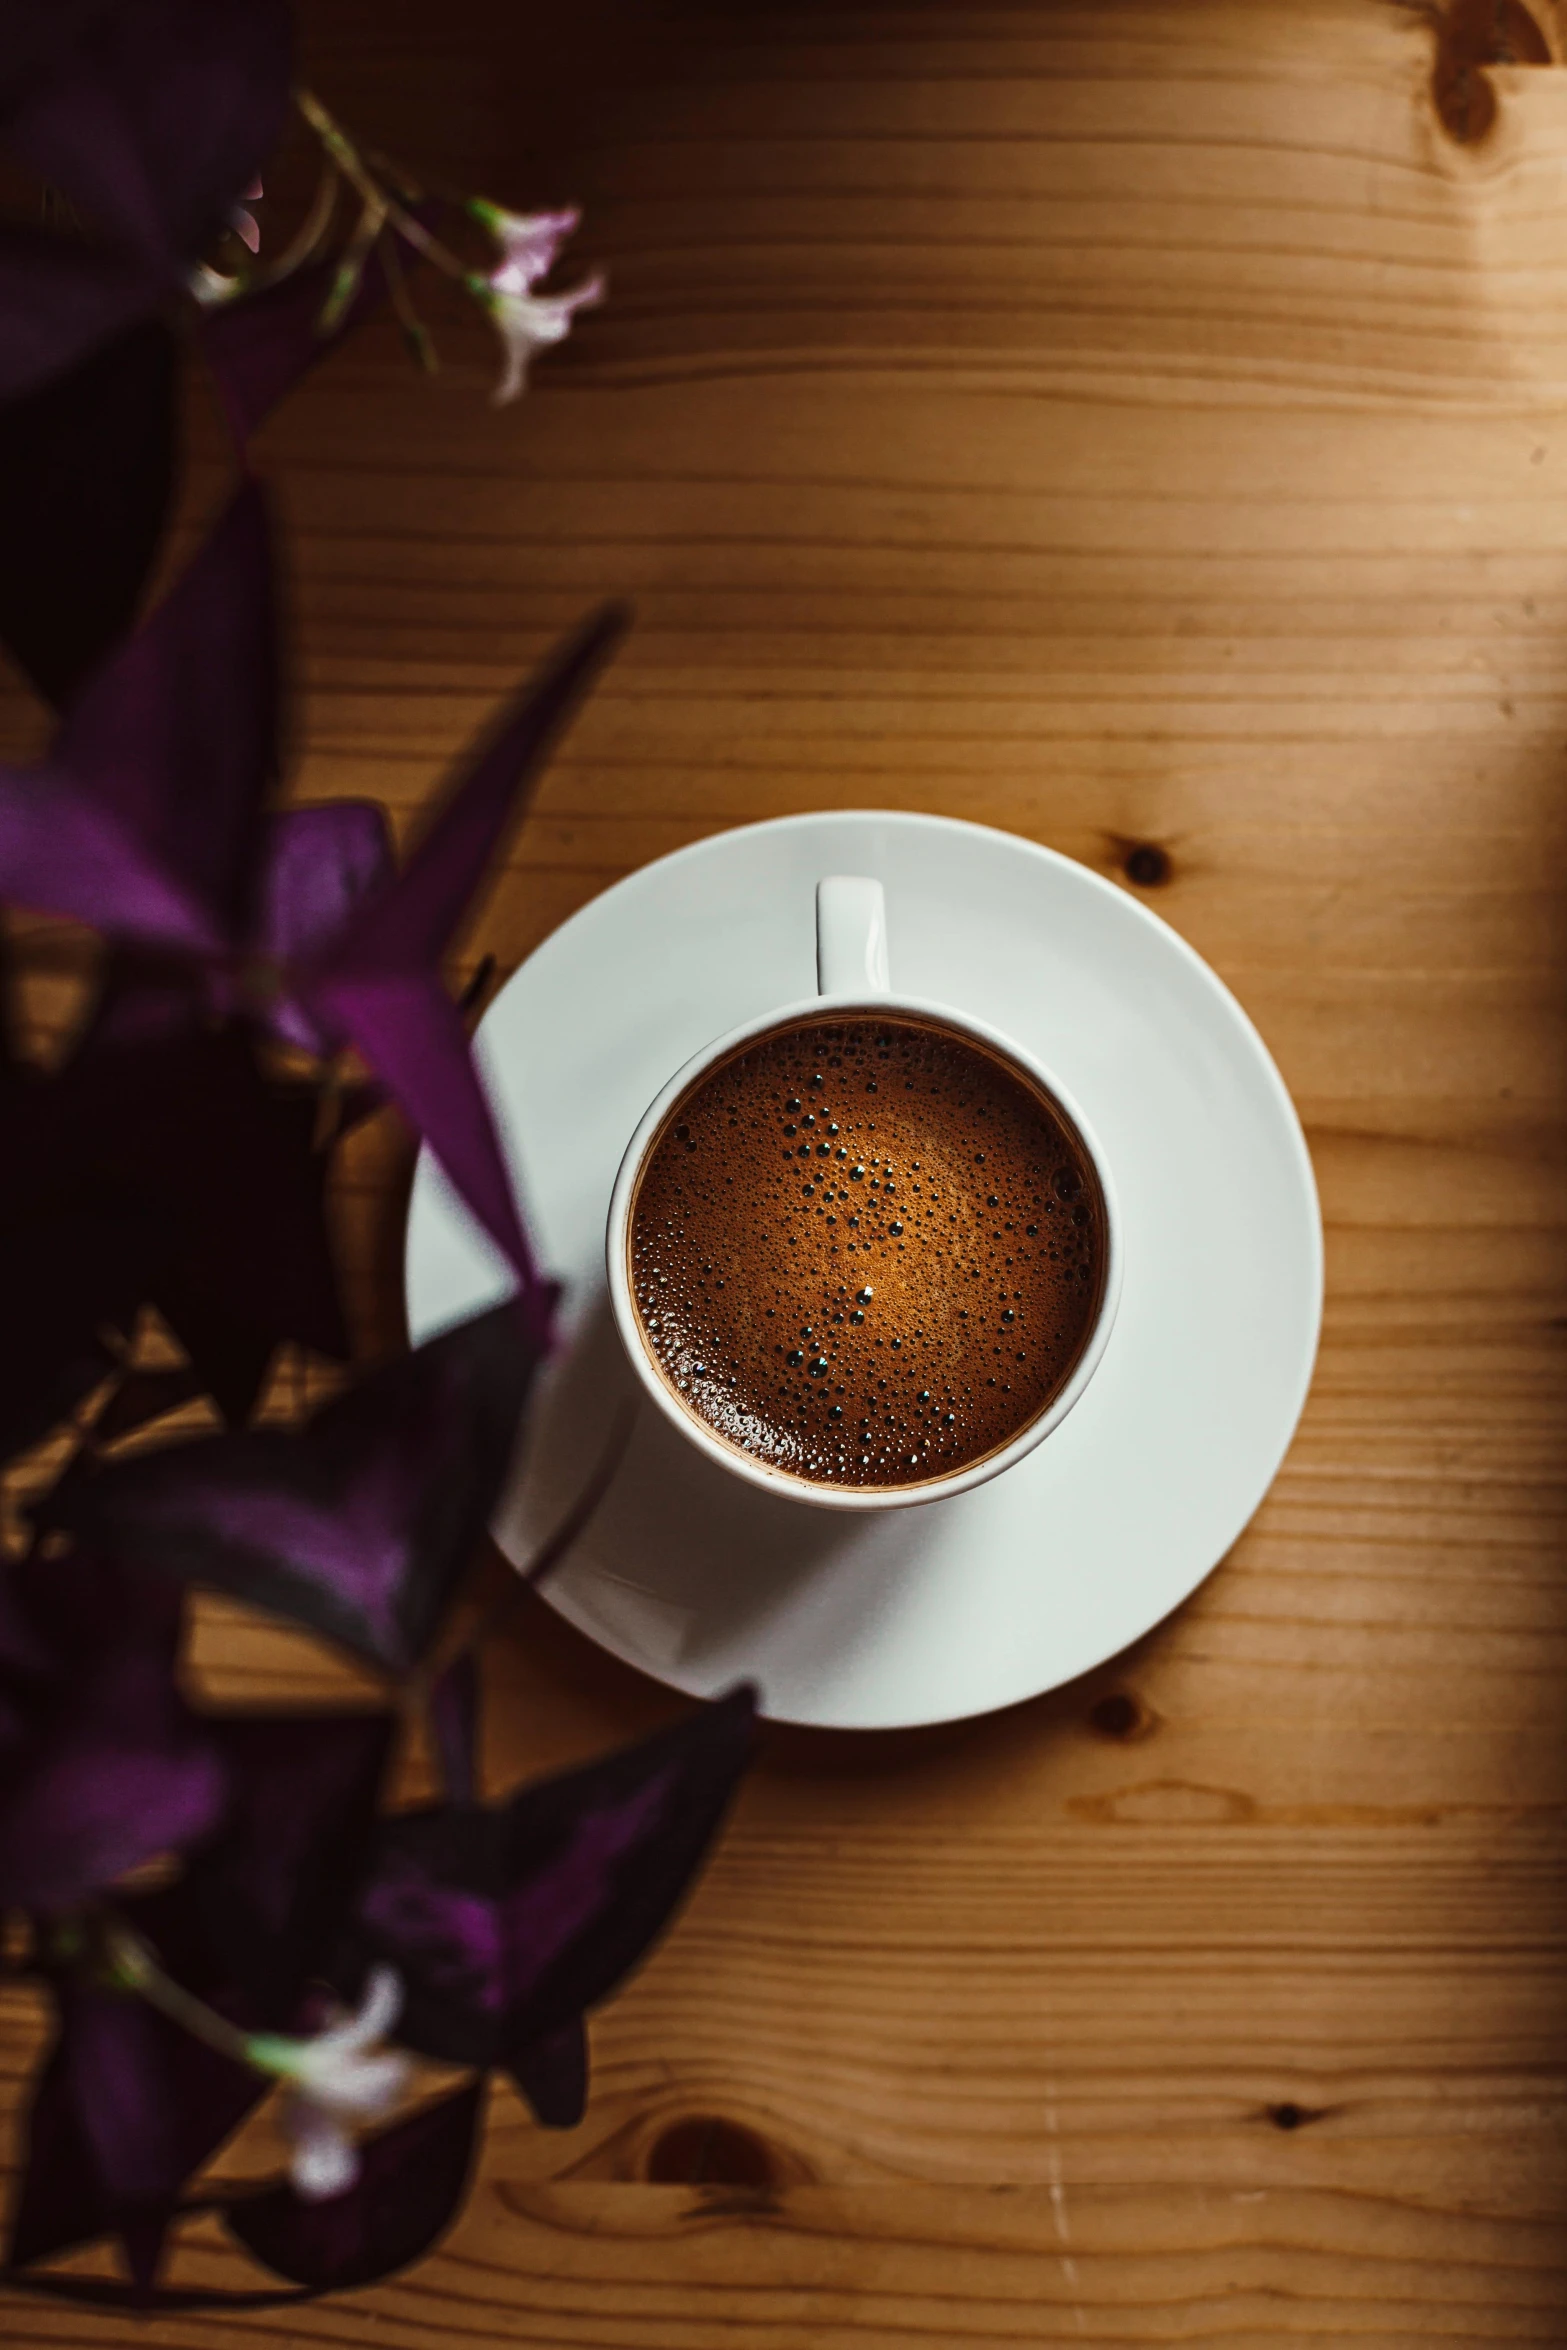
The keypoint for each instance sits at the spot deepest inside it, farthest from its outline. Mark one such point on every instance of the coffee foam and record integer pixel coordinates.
(866, 1252)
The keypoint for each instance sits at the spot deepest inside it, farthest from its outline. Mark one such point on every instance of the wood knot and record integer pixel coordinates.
(705, 2151)
(1124, 1716)
(1287, 2115)
(1472, 35)
(1146, 864)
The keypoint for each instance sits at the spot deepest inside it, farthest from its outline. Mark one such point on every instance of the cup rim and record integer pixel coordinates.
(746, 1465)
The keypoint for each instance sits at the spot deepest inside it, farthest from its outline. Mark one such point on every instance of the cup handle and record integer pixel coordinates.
(851, 936)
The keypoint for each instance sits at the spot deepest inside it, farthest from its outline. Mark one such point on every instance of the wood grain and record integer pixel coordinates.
(1126, 425)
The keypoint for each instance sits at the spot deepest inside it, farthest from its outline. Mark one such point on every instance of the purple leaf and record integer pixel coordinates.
(152, 115)
(106, 1767)
(61, 2201)
(260, 345)
(122, 1779)
(116, 2060)
(86, 472)
(32, 34)
(320, 862)
(77, 1606)
(58, 298)
(170, 1171)
(378, 983)
(506, 1924)
(129, 2106)
(64, 854)
(177, 736)
(411, 2181)
(144, 818)
(410, 921)
(552, 2075)
(413, 1036)
(454, 1717)
(250, 1262)
(359, 1525)
(156, 118)
(62, 1277)
(66, 1277)
(272, 1887)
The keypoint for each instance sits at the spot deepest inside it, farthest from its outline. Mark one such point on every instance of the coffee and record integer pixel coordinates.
(867, 1252)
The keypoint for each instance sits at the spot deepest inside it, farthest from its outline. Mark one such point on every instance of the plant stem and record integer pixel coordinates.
(415, 334)
(351, 266)
(307, 239)
(136, 1968)
(353, 168)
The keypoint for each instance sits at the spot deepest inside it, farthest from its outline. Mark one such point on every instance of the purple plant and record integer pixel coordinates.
(221, 1905)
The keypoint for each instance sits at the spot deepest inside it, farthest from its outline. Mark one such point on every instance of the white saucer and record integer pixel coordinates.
(928, 1614)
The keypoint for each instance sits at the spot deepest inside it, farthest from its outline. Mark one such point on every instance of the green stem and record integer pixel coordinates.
(351, 267)
(134, 1967)
(415, 334)
(353, 168)
(309, 237)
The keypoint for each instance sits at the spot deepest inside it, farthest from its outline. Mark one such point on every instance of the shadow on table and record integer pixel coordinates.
(682, 1564)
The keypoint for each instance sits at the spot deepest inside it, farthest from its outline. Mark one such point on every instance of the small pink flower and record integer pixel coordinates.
(529, 243)
(530, 322)
(527, 321)
(244, 223)
(335, 2079)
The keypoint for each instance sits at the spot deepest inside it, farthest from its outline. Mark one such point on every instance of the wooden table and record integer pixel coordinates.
(1141, 427)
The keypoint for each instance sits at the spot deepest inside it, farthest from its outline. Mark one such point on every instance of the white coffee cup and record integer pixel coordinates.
(852, 974)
